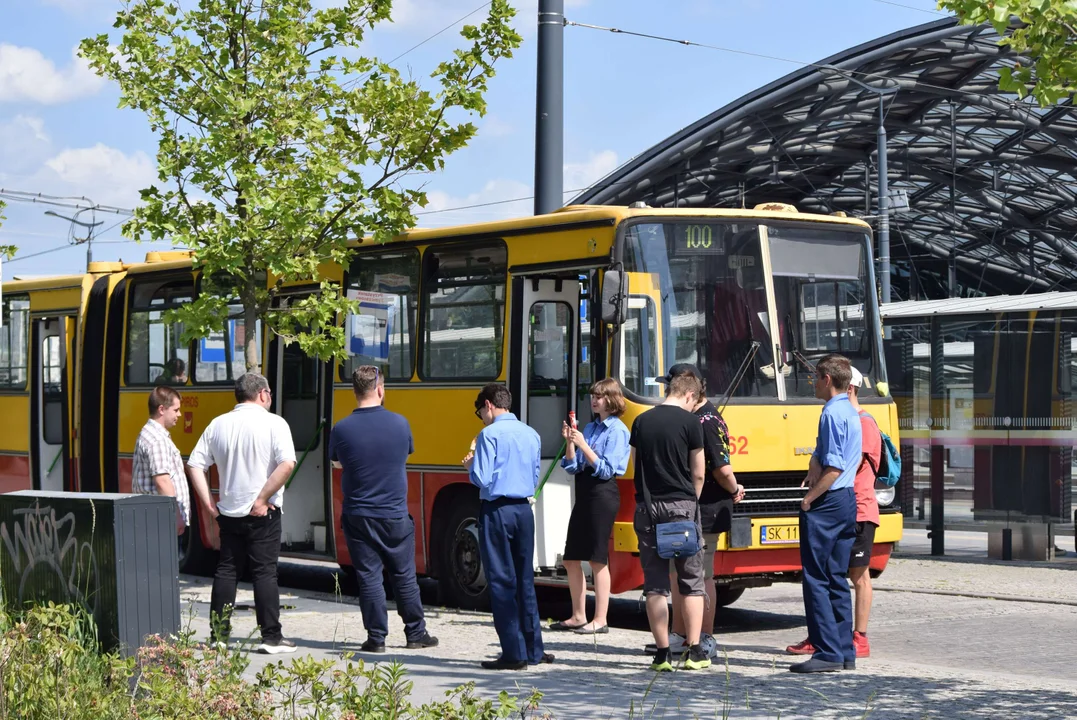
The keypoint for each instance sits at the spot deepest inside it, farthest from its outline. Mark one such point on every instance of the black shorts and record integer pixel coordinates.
(865, 539)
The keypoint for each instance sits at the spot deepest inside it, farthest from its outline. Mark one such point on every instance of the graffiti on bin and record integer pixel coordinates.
(49, 560)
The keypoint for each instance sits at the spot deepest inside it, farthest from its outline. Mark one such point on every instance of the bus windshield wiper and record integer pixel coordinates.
(794, 350)
(739, 376)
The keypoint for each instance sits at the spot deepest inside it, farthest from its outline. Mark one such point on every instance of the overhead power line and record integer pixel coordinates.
(448, 27)
(764, 56)
(72, 202)
(910, 7)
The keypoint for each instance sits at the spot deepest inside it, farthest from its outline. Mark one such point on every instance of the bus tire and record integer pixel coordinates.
(727, 596)
(461, 579)
(194, 557)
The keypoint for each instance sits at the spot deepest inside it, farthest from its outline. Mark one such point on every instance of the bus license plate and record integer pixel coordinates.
(779, 535)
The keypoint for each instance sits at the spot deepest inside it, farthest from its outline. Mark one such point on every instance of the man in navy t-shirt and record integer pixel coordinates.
(372, 446)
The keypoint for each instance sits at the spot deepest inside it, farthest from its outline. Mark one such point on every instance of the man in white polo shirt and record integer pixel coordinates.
(253, 451)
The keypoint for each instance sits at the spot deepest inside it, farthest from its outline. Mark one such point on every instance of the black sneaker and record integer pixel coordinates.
(278, 647)
(500, 664)
(426, 641)
(698, 659)
(371, 646)
(663, 660)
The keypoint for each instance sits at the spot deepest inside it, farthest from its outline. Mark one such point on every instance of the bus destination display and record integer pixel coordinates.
(698, 240)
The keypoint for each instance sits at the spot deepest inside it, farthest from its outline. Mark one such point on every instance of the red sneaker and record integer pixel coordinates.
(860, 643)
(801, 648)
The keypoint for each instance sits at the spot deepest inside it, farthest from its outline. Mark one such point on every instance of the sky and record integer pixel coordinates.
(62, 134)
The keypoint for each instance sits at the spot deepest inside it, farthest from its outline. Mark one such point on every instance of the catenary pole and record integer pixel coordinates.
(549, 107)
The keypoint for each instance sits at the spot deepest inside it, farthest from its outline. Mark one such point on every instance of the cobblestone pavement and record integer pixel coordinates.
(933, 655)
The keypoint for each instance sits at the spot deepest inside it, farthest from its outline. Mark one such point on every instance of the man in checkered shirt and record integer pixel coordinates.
(158, 466)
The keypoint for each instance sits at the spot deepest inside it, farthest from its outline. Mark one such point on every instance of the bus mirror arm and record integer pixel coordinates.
(614, 301)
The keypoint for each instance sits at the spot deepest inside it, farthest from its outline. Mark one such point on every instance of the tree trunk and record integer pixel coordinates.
(250, 324)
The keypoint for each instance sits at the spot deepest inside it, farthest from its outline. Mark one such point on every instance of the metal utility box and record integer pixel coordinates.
(115, 554)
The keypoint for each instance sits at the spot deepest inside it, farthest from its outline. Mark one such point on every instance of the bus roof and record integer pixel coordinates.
(571, 215)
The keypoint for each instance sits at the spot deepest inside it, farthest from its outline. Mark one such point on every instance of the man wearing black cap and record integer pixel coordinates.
(668, 457)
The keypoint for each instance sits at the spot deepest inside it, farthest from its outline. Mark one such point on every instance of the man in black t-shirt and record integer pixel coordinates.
(668, 454)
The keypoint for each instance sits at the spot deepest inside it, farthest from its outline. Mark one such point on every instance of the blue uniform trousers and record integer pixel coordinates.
(507, 546)
(389, 543)
(827, 532)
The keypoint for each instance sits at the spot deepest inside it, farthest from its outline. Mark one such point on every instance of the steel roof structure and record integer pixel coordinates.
(990, 178)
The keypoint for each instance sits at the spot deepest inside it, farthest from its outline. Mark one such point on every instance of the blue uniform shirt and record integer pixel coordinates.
(507, 456)
(609, 440)
(839, 442)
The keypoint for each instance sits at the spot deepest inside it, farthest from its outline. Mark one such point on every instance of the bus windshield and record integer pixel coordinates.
(698, 294)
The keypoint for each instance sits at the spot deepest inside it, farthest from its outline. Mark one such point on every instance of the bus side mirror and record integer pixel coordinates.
(614, 305)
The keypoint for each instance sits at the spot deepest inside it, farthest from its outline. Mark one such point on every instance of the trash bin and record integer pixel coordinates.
(114, 554)
(1028, 541)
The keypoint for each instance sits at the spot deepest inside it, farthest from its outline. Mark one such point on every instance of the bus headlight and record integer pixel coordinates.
(885, 495)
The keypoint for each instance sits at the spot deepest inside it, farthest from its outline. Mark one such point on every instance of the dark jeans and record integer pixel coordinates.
(507, 547)
(827, 532)
(375, 543)
(254, 542)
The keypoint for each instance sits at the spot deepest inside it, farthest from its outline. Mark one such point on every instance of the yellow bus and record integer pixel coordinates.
(545, 304)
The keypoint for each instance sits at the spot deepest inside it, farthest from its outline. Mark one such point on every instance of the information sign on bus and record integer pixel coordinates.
(697, 240)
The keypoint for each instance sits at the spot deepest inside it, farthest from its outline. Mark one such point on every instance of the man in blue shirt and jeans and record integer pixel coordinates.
(828, 522)
(504, 465)
(372, 446)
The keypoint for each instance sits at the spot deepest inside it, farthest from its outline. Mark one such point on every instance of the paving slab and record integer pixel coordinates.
(933, 655)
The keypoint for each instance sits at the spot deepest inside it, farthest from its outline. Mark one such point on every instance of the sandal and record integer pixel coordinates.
(583, 630)
(563, 625)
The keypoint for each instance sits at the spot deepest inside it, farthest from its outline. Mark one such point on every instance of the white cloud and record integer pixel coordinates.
(441, 207)
(102, 173)
(581, 175)
(28, 76)
(23, 143)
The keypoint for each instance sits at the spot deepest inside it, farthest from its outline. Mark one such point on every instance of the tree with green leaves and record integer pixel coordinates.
(6, 251)
(1047, 33)
(279, 142)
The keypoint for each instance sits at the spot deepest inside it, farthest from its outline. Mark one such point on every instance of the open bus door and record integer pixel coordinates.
(548, 376)
(302, 395)
(50, 407)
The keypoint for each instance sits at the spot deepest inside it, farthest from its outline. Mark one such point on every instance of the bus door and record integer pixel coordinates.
(302, 397)
(551, 311)
(50, 429)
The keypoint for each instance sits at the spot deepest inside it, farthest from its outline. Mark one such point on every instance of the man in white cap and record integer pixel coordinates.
(867, 519)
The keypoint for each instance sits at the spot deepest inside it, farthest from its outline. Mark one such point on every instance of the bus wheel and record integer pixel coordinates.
(727, 596)
(194, 557)
(461, 578)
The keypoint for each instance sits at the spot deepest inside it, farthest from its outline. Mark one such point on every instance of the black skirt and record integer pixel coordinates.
(591, 522)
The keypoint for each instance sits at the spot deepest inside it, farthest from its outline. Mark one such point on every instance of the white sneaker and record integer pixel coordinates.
(676, 645)
(710, 645)
(278, 648)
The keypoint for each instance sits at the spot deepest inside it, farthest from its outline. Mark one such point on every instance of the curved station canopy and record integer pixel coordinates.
(988, 179)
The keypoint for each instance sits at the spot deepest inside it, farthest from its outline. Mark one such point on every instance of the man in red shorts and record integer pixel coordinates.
(867, 519)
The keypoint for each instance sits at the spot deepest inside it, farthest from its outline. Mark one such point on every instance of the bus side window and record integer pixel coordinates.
(151, 342)
(382, 332)
(14, 342)
(464, 312)
(220, 357)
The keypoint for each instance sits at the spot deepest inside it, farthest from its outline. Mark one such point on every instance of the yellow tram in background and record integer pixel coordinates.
(545, 304)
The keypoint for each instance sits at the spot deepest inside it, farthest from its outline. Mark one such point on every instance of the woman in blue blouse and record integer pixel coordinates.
(597, 457)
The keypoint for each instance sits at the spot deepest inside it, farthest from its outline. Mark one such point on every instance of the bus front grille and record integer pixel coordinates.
(768, 494)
